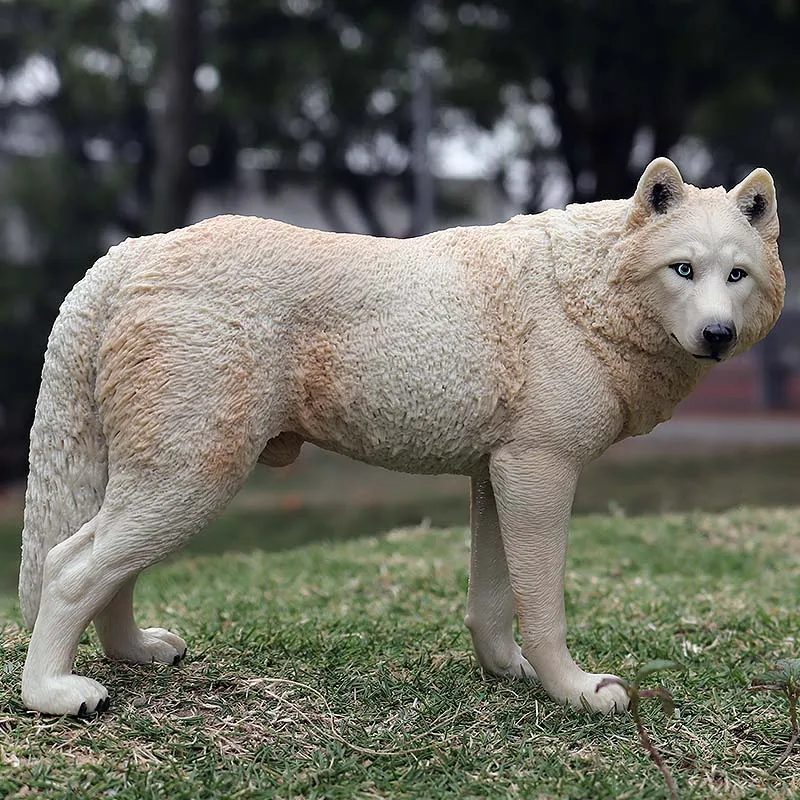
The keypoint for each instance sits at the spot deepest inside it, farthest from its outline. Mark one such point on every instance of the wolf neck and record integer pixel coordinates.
(648, 375)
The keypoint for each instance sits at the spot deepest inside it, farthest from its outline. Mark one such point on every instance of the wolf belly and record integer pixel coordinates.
(421, 393)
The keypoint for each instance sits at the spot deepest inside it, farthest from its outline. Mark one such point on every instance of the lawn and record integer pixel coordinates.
(343, 670)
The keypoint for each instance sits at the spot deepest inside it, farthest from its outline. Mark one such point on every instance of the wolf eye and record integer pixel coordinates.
(736, 275)
(683, 269)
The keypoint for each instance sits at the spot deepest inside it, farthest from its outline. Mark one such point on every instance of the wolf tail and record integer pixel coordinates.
(68, 468)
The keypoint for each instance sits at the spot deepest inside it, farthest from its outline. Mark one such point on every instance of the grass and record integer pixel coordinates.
(343, 670)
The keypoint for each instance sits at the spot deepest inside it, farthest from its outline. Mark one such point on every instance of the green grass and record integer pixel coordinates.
(343, 670)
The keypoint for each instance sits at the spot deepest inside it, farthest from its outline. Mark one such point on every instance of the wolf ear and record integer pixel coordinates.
(755, 198)
(660, 189)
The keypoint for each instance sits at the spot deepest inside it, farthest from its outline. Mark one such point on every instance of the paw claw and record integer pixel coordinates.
(82, 711)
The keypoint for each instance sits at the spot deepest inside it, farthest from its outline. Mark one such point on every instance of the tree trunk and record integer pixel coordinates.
(422, 209)
(173, 180)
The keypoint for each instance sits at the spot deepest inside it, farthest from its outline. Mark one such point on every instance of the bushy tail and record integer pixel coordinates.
(68, 455)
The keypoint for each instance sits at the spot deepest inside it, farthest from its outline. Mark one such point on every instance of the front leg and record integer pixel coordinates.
(534, 490)
(490, 604)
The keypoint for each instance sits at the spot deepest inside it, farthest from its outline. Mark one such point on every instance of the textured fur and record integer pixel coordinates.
(513, 353)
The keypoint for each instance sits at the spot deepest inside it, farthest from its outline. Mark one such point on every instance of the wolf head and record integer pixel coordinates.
(706, 260)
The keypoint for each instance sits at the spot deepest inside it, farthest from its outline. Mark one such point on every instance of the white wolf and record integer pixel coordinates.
(511, 353)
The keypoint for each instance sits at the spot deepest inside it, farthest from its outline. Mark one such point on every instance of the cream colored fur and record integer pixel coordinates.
(513, 353)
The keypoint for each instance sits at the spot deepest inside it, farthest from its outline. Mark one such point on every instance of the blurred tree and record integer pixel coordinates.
(620, 82)
(114, 113)
(334, 94)
(63, 206)
(422, 211)
(82, 156)
(173, 176)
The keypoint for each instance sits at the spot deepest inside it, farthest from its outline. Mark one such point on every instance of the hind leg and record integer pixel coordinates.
(75, 586)
(123, 640)
(90, 576)
(186, 409)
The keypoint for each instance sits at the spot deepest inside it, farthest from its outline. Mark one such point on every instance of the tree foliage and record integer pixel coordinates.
(115, 113)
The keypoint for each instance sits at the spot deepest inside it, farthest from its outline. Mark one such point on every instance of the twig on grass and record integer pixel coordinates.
(635, 696)
(784, 679)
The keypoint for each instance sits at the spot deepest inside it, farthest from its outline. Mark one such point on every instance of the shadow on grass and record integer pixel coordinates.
(278, 529)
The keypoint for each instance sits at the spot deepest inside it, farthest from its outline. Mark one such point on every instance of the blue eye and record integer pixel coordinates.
(683, 269)
(736, 275)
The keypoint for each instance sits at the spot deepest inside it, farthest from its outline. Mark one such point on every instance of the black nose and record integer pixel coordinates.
(717, 334)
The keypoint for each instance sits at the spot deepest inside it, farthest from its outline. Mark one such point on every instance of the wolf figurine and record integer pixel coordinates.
(512, 353)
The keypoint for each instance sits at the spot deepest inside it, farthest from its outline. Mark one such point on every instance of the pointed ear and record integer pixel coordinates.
(755, 198)
(660, 189)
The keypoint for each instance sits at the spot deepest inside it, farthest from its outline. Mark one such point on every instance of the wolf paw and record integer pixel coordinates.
(151, 645)
(66, 694)
(513, 666)
(582, 693)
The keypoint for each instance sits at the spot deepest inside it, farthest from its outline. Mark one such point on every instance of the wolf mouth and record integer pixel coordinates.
(711, 356)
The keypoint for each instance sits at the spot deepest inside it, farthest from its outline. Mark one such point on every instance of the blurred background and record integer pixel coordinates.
(123, 117)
